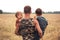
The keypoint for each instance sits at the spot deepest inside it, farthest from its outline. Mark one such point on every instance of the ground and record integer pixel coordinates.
(7, 27)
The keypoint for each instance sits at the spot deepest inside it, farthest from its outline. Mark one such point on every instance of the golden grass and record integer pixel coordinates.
(7, 27)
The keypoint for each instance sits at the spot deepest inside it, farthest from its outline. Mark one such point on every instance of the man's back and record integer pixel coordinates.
(27, 29)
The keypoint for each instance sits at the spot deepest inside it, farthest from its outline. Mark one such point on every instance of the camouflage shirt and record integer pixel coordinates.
(27, 29)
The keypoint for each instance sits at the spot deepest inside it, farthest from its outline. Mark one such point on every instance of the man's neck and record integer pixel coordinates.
(27, 16)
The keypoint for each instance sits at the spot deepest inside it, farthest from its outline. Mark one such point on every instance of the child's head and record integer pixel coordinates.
(38, 11)
(18, 15)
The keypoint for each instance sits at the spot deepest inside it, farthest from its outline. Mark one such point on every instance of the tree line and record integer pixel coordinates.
(54, 12)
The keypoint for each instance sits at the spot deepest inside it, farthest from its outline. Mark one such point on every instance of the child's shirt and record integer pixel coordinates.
(42, 22)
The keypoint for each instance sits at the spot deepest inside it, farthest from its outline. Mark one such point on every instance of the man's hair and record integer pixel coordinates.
(27, 9)
(38, 11)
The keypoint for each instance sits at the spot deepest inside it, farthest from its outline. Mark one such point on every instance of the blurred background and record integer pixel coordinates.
(51, 11)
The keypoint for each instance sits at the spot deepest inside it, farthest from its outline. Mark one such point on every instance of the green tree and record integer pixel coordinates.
(1, 11)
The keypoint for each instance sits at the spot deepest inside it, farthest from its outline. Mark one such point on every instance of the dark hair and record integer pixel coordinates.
(27, 9)
(38, 11)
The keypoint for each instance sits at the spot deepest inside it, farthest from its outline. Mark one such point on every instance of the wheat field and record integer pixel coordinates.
(7, 27)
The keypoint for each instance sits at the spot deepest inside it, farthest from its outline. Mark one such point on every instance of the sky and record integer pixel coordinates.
(18, 5)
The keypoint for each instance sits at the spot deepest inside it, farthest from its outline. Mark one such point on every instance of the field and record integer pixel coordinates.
(7, 27)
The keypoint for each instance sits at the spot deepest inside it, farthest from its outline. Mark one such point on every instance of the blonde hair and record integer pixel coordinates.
(17, 13)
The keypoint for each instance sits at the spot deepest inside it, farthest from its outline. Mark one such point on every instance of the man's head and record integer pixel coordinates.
(38, 11)
(27, 9)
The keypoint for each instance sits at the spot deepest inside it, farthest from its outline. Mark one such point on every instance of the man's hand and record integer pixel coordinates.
(16, 32)
(40, 34)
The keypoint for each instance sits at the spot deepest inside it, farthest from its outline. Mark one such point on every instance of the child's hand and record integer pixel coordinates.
(34, 17)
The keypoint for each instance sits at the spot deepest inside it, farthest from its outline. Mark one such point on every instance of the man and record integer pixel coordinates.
(28, 26)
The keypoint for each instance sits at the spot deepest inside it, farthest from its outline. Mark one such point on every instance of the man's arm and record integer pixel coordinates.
(38, 27)
(17, 27)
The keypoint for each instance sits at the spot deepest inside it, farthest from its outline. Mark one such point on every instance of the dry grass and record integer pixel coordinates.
(7, 27)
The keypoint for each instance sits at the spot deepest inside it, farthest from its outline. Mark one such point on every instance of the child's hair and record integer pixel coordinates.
(38, 11)
(17, 13)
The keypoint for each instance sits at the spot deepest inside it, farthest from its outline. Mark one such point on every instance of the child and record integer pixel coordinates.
(19, 17)
(42, 21)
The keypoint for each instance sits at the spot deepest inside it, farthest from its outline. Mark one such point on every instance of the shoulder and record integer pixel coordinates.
(35, 21)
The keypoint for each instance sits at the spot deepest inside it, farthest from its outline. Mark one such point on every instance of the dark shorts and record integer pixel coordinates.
(37, 36)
